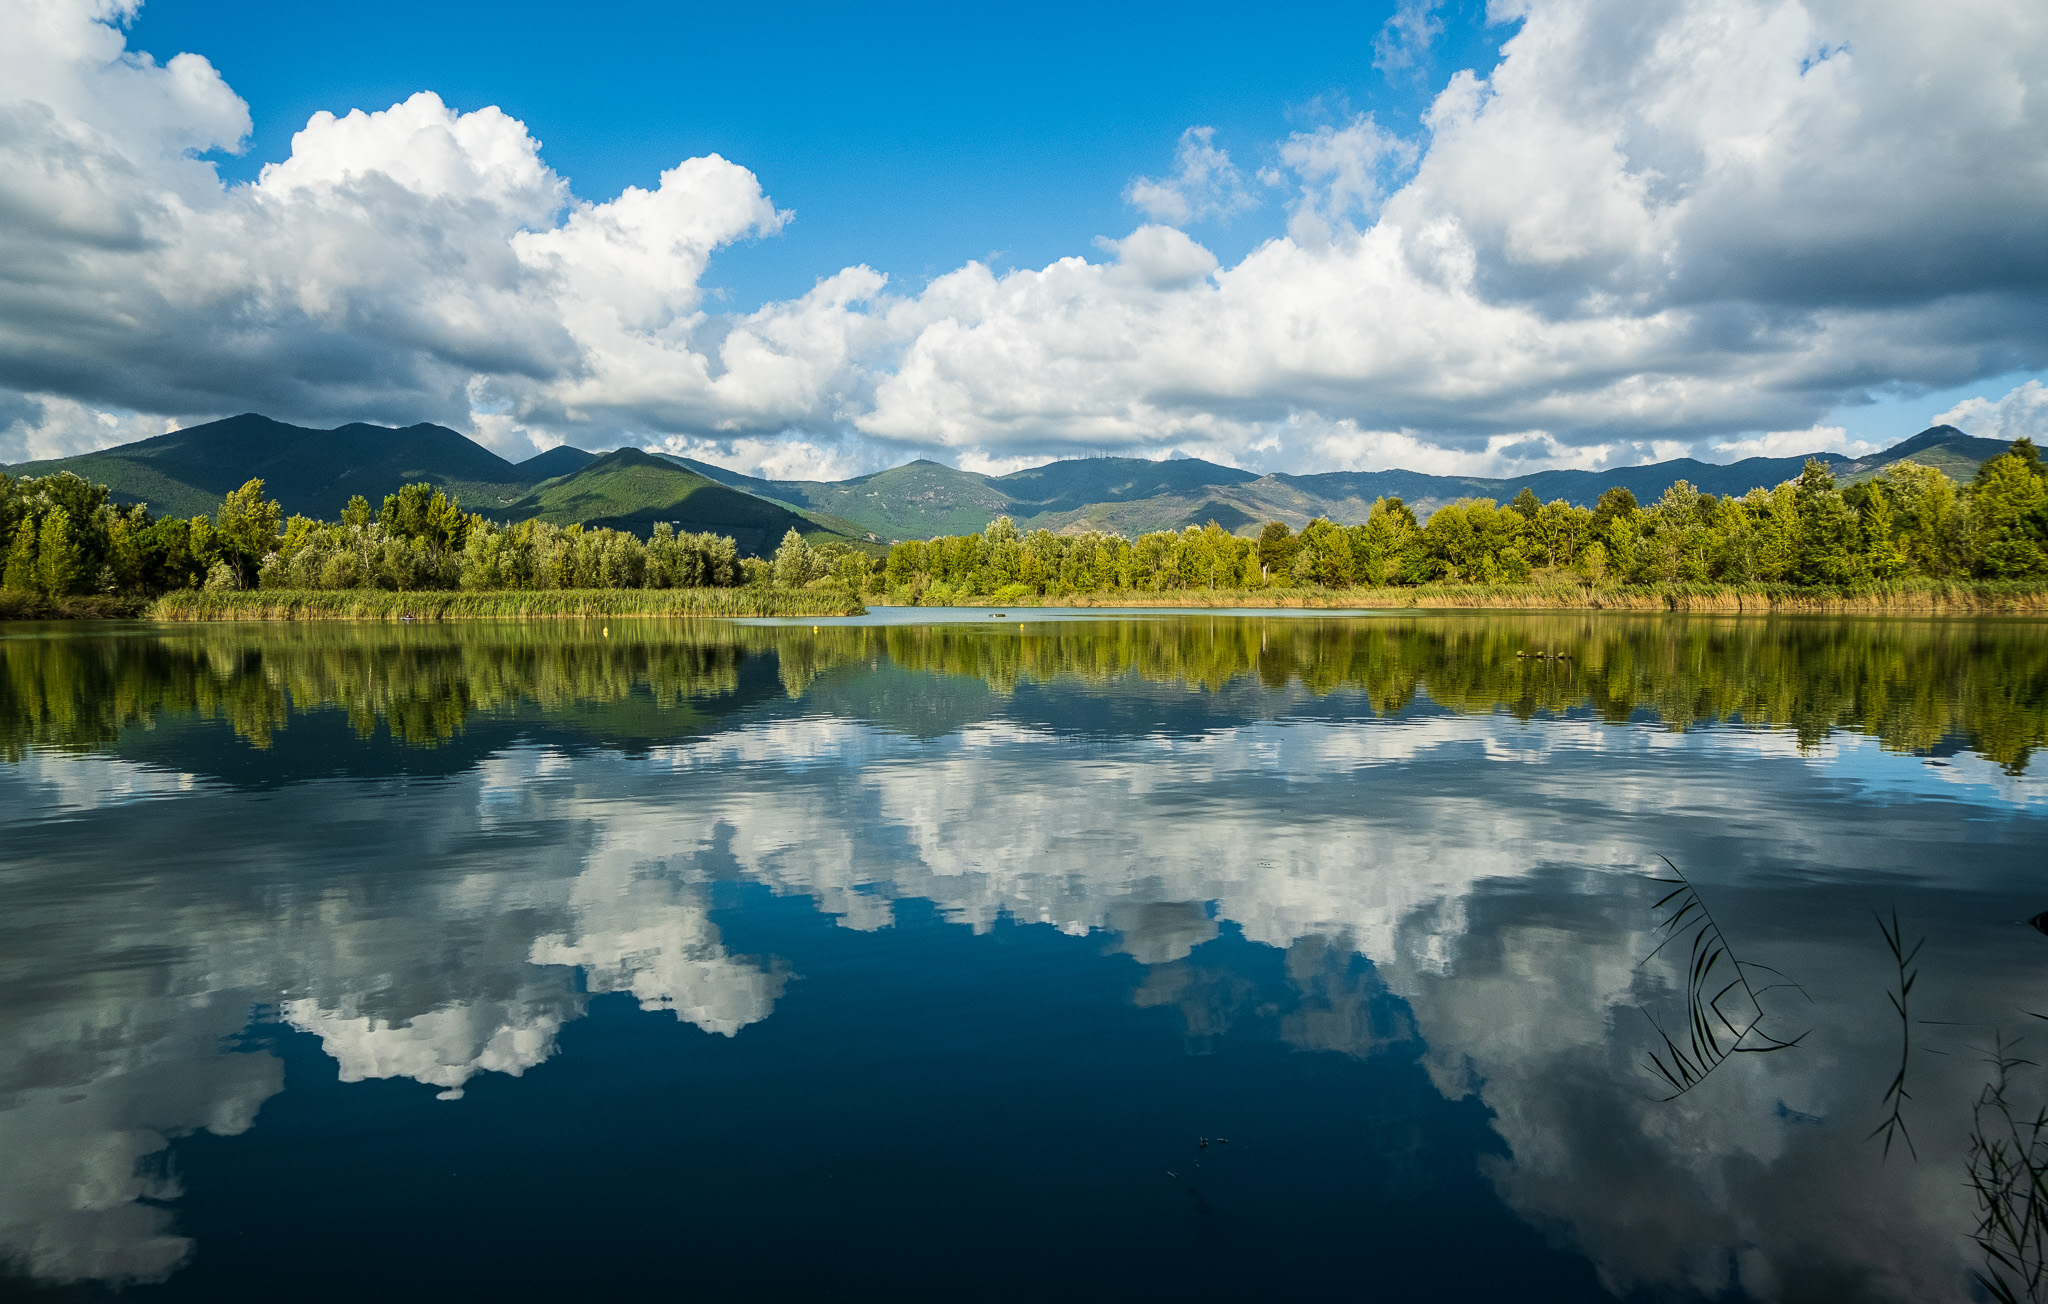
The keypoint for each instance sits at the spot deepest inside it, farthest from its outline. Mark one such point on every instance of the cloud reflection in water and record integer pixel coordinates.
(1470, 889)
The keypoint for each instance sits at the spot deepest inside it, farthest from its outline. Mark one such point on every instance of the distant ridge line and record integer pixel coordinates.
(187, 472)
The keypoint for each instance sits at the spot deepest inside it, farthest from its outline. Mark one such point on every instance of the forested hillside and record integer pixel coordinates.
(61, 537)
(1133, 496)
(314, 472)
(1907, 520)
(634, 491)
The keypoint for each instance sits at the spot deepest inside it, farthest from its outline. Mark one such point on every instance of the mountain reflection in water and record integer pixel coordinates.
(957, 939)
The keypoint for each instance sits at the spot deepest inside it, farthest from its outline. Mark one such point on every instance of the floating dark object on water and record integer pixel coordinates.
(998, 615)
(2040, 921)
(1544, 656)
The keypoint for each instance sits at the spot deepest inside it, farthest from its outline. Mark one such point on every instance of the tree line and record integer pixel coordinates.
(1909, 520)
(61, 535)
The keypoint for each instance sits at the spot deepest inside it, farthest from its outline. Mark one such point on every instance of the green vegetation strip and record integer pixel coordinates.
(1909, 542)
(16, 604)
(1904, 597)
(378, 604)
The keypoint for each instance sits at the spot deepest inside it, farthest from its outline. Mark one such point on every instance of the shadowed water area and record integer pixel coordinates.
(1478, 956)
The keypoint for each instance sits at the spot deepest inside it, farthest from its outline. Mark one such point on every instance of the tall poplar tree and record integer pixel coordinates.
(20, 574)
(60, 563)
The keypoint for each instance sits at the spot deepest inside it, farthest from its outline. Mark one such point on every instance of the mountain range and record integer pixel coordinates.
(1131, 495)
(315, 472)
(627, 489)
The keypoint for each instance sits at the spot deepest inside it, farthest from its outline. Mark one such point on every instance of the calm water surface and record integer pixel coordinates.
(919, 959)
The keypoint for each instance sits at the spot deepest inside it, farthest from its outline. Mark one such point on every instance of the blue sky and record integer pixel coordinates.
(821, 240)
(911, 138)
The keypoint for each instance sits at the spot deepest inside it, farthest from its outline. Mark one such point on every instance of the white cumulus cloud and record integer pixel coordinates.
(1676, 225)
(1791, 443)
(2022, 413)
(1204, 183)
(1405, 38)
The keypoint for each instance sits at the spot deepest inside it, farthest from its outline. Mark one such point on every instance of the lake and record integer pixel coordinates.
(940, 956)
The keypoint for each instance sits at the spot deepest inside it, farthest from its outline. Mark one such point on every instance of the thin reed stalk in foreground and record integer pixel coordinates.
(1896, 1095)
(1723, 1008)
(2008, 1171)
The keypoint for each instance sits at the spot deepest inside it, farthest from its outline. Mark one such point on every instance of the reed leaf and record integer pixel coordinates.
(1724, 1011)
(2008, 1172)
(1896, 1095)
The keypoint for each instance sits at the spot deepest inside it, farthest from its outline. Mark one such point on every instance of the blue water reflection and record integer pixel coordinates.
(558, 962)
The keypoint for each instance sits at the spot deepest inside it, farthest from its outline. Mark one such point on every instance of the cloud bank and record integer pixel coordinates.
(1652, 228)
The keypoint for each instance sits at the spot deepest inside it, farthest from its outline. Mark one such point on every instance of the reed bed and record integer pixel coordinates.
(17, 605)
(380, 604)
(1922, 597)
(1906, 597)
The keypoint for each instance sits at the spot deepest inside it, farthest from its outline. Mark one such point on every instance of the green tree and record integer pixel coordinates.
(298, 531)
(1883, 551)
(792, 561)
(20, 574)
(60, 562)
(1040, 561)
(1322, 555)
(907, 561)
(1618, 542)
(1277, 545)
(11, 509)
(1827, 550)
(1682, 541)
(356, 514)
(1388, 532)
(2009, 502)
(168, 561)
(1615, 504)
(1930, 517)
(1450, 542)
(1560, 530)
(1775, 516)
(853, 571)
(420, 511)
(248, 525)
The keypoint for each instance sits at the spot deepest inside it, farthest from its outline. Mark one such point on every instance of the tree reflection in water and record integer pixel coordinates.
(1912, 684)
(1389, 842)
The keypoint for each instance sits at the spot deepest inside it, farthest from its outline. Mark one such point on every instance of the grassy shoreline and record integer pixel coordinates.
(380, 604)
(1906, 598)
(16, 605)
